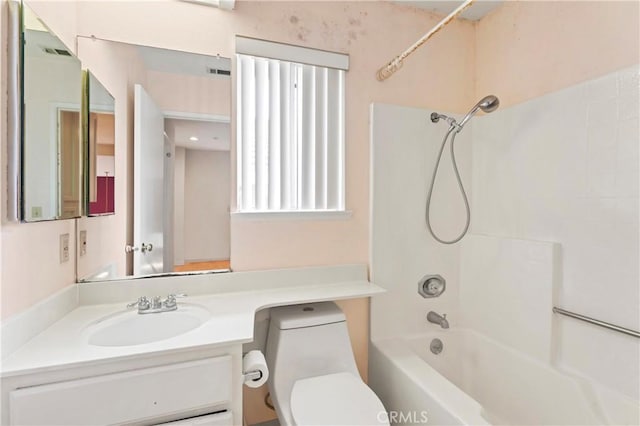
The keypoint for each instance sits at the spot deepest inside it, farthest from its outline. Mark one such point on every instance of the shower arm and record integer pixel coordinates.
(396, 63)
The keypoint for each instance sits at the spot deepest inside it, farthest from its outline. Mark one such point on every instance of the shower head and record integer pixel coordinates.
(487, 104)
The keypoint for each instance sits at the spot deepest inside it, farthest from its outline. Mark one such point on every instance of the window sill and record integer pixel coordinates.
(293, 215)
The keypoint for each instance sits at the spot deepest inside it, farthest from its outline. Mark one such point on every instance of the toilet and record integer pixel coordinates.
(313, 376)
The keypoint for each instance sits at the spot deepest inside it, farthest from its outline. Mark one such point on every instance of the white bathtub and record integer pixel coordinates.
(476, 380)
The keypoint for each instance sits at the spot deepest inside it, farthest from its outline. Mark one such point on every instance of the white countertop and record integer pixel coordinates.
(65, 343)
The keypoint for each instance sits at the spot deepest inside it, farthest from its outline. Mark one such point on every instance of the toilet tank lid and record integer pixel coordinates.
(306, 315)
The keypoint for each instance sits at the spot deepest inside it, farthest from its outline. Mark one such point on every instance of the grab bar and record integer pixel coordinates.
(594, 321)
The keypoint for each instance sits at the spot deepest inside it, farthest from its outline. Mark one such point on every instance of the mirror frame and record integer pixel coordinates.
(14, 112)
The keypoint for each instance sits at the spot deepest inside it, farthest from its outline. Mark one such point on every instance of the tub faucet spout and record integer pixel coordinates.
(436, 318)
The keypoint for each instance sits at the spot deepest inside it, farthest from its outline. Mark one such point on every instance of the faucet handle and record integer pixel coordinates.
(142, 303)
(171, 299)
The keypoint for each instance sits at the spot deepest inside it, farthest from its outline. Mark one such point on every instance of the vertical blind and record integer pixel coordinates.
(290, 135)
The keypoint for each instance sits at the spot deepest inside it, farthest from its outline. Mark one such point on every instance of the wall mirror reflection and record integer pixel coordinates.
(51, 142)
(101, 126)
(180, 176)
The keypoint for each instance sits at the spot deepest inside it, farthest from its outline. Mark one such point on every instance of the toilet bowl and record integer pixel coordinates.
(313, 376)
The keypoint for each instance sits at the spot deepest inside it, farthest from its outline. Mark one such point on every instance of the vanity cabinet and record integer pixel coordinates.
(194, 392)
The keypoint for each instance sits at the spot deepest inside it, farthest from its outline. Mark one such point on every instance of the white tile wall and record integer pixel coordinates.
(507, 290)
(404, 147)
(562, 168)
(565, 167)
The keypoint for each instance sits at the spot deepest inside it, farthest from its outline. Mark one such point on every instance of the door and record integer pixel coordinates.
(148, 185)
(69, 170)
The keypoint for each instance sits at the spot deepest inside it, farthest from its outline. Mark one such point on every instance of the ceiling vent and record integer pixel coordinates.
(57, 52)
(216, 71)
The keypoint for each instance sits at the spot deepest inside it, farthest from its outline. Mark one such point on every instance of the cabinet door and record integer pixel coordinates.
(131, 396)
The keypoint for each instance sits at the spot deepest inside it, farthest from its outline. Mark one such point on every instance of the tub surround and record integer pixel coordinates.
(404, 145)
(232, 300)
(565, 167)
(507, 291)
(503, 281)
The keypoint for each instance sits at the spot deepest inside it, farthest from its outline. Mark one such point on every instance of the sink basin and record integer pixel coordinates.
(128, 328)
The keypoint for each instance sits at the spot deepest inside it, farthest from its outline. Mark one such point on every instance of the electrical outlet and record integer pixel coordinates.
(36, 212)
(64, 248)
(83, 243)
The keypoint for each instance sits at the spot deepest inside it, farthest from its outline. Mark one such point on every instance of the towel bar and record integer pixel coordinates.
(599, 323)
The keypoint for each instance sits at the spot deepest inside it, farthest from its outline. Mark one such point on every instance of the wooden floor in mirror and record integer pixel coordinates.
(203, 266)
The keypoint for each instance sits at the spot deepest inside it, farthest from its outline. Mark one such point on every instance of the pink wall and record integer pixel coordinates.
(525, 49)
(30, 268)
(370, 32)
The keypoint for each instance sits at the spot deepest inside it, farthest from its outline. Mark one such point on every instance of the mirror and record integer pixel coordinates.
(202, 193)
(51, 137)
(101, 161)
(179, 135)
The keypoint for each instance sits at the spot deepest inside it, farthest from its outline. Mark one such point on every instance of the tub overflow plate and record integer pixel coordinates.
(436, 346)
(431, 286)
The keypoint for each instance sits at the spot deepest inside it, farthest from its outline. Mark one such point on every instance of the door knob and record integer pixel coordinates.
(144, 248)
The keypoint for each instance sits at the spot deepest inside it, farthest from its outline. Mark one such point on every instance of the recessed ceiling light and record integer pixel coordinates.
(193, 138)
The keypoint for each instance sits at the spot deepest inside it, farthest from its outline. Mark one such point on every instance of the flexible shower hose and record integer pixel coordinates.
(464, 194)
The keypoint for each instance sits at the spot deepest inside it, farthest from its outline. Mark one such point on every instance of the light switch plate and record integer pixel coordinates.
(36, 212)
(64, 248)
(83, 243)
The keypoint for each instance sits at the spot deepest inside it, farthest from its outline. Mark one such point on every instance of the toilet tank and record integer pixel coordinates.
(306, 341)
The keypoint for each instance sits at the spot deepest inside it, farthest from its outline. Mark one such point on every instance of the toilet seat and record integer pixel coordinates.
(335, 399)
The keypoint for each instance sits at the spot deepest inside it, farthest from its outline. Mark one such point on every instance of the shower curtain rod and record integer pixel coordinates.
(395, 64)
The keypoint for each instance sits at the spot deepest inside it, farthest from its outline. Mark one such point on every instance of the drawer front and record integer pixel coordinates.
(218, 419)
(137, 395)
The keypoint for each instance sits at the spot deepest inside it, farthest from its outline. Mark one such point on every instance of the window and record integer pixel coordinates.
(290, 128)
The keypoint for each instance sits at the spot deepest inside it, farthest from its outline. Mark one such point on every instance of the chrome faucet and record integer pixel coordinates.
(156, 304)
(436, 318)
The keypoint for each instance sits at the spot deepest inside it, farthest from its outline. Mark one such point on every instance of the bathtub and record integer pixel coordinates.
(478, 381)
